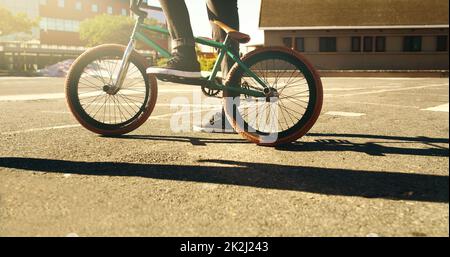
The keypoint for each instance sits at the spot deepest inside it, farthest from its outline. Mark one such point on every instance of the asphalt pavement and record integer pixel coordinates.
(375, 164)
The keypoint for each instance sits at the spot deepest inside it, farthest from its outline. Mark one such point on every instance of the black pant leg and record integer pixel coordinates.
(179, 25)
(225, 11)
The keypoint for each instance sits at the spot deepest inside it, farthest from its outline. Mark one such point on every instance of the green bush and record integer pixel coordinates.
(206, 64)
(104, 29)
(10, 23)
(161, 62)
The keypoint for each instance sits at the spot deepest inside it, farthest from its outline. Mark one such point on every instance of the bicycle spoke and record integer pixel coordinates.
(112, 109)
(289, 113)
(293, 96)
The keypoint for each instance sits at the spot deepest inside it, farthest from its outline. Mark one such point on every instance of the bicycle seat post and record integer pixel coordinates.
(222, 53)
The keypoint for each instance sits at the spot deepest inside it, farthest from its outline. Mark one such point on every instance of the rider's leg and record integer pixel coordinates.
(184, 63)
(225, 11)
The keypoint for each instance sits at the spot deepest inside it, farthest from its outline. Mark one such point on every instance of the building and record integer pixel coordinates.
(60, 19)
(361, 34)
(57, 37)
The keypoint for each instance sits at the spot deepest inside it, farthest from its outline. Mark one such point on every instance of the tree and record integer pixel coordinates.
(104, 29)
(10, 23)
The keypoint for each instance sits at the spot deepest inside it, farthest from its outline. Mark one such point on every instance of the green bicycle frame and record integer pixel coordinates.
(211, 80)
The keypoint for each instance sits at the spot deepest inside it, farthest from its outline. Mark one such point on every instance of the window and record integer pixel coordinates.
(61, 3)
(380, 44)
(300, 44)
(412, 44)
(327, 44)
(43, 24)
(59, 24)
(110, 10)
(124, 12)
(356, 44)
(67, 25)
(78, 6)
(94, 8)
(287, 42)
(76, 26)
(51, 25)
(368, 44)
(442, 43)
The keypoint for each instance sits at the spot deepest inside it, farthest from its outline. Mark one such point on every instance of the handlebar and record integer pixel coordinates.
(135, 8)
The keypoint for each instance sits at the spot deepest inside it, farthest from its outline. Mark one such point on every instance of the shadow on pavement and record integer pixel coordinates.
(424, 140)
(371, 148)
(332, 145)
(342, 182)
(197, 141)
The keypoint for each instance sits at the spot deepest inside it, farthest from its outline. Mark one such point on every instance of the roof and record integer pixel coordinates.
(309, 14)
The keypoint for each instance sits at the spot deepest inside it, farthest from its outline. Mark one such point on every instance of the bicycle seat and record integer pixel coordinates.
(234, 34)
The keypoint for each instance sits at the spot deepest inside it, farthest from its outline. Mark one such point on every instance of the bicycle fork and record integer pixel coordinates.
(125, 62)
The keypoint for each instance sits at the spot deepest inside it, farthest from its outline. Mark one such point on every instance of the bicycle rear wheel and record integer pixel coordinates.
(92, 104)
(293, 99)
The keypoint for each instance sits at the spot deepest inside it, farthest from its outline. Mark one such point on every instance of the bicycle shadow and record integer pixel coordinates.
(196, 141)
(376, 148)
(330, 144)
(325, 181)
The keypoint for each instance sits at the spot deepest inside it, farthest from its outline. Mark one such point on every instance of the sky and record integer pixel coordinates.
(248, 15)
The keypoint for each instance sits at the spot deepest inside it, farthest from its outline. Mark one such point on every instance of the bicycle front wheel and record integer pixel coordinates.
(92, 103)
(293, 101)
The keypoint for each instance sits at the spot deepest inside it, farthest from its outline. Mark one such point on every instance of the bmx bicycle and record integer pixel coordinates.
(271, 95)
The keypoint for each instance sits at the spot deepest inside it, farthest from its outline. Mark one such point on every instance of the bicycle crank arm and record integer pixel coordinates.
(240, 90)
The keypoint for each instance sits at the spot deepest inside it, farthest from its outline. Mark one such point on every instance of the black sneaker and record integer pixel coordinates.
(178, 67)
